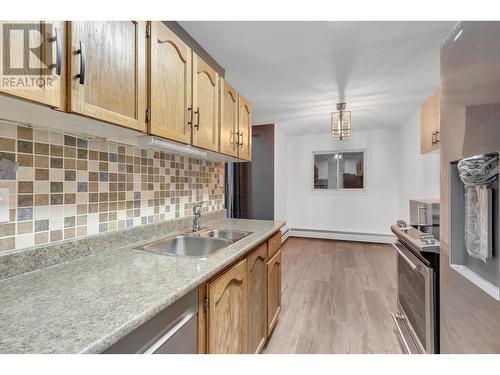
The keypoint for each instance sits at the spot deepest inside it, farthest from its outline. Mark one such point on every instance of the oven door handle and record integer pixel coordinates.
(412, 265)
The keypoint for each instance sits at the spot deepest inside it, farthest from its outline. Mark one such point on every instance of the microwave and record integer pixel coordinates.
(424, 215)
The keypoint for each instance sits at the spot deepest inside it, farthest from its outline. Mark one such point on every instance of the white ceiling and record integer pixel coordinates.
(295, 72)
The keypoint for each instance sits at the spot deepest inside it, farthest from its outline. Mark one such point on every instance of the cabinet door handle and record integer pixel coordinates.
(240, 142)
(433, 139)
(58, 40)
(81, 52)
(190, 116)
(437, 136)
(234, 139)
(197, 112)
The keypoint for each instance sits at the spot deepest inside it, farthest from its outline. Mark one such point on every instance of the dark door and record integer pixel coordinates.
(261, 187)
(250, 186)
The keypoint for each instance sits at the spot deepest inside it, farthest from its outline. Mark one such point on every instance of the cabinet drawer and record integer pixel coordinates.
(273, 245)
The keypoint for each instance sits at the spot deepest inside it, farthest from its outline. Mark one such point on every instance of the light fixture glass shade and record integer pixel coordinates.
(341, 123)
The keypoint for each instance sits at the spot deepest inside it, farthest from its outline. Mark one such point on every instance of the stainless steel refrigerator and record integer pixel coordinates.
(470, 125)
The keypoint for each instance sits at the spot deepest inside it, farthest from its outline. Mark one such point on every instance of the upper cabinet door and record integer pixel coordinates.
(170, 94)
(245, 129)
(228, 119)
(205, 105)
(430, 123)
(32, 61)
(108, 71)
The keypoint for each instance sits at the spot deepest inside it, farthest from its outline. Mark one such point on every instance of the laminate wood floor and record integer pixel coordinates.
(337, 297)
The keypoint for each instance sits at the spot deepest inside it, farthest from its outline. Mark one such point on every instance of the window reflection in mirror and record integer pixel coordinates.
(339, 170)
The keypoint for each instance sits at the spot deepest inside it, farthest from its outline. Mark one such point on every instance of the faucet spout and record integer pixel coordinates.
(197, 216)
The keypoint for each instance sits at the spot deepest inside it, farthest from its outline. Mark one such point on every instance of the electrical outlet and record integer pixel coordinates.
(205, 194)
(4, 204)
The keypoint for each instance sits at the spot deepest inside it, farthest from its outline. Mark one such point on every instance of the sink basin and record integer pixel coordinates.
(186, 246)
(227, 234)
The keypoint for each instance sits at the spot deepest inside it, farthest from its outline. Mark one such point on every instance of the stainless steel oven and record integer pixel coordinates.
(416, 300)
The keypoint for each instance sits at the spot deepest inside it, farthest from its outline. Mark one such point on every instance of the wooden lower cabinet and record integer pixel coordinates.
(273, 245)
(239, 307)
(273, 291)
(257, 299)
(227, 311)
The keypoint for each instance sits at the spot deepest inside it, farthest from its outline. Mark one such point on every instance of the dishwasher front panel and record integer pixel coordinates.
(173, 330)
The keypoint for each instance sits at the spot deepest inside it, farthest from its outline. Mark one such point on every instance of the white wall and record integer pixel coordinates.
(395, 172)
(370, 212)
(419, 174)
(280, 173)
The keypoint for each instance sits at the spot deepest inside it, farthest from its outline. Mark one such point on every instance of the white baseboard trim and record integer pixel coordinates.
(338, 235)
(285, 233)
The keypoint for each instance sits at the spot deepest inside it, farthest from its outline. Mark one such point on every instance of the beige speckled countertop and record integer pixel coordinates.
(86, 305)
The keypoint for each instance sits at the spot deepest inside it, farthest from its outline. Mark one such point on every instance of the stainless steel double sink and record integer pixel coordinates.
(196, 245)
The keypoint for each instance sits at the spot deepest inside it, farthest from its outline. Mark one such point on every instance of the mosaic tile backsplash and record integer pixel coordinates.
(67, 187)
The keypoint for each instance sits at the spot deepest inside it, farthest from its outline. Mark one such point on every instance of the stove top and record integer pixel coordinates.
(415, 239)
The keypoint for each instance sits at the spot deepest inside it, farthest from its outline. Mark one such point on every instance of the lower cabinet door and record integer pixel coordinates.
(273, 291)
(257, 299)
(227, 311)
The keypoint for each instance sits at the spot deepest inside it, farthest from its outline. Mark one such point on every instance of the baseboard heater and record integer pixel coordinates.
(340, 235)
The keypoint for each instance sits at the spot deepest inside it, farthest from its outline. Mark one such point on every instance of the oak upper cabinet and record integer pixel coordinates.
(273, 291)
(244, 129)
(227, 311)
(108, 71)
(32, 61)
(430, 123)
(170, 76)
(205, 105)
(228, 119)
(257, 299)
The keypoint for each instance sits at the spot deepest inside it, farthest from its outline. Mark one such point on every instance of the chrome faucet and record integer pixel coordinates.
(197, 216)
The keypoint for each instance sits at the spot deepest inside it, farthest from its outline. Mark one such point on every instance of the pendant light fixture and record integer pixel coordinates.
(341, 123)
